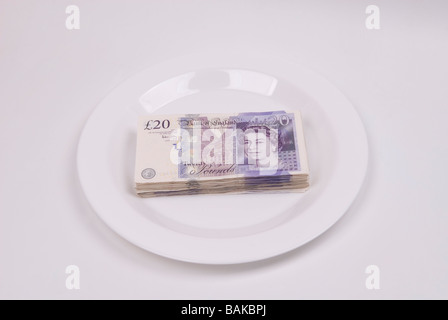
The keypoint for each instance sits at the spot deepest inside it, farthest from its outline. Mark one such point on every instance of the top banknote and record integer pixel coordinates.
(176, 151)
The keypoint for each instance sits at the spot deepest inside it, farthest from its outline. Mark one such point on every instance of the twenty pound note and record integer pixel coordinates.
(220, 153)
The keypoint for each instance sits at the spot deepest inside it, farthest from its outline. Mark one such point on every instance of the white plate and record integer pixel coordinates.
(223, 229)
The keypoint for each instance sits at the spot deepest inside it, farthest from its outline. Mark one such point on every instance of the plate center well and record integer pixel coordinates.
(216, 215)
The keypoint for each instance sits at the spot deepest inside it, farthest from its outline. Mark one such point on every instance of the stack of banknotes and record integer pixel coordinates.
(220, 153)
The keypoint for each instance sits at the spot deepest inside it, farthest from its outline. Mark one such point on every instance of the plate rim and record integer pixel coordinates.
(363, 153)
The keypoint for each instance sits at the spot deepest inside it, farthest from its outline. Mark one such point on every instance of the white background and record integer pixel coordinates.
(51, 79)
